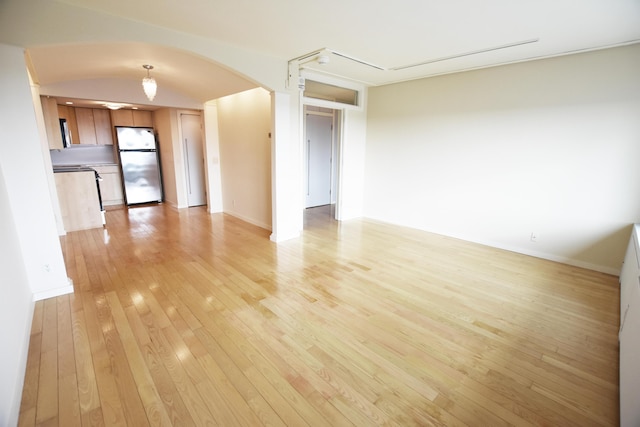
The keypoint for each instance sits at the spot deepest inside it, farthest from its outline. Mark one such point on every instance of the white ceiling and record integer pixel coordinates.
(445, 36)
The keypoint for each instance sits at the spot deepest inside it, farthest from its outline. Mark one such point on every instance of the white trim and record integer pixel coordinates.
(549, 257)
(536, 254)
(247, 219)
(55, 292)
(277, 238)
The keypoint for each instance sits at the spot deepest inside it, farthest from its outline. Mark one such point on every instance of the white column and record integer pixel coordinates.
(286, 165)
(212, 150)
(353, 147)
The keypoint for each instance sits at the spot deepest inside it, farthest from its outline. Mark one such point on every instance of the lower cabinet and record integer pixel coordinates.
(78, 198)
(630, 335)
(111, 185)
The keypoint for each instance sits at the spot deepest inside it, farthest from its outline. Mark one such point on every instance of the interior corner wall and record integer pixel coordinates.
(244, 124)
(549, 147)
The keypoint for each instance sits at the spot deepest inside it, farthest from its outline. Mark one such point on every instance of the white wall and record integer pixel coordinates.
(16, 313)
(551, 147)
(31, 263)
(244, 123)
(22, 159)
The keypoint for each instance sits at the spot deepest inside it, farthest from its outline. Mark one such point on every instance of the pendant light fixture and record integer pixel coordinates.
(149, 83)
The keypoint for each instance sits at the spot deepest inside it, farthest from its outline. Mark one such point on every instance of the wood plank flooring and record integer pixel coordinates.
(192, 319)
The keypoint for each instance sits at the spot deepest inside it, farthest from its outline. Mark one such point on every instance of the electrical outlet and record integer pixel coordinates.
(534, 236)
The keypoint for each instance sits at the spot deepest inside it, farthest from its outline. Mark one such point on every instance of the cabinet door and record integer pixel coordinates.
(69, 113)
(52, 122)
(111, 189)
(630, 360)
(86, 126)
(102, 121)
(122, 117)
(111, 185)
(142, 118)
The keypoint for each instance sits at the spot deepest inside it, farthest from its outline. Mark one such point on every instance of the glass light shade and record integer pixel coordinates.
(150, 87)
(113, 105)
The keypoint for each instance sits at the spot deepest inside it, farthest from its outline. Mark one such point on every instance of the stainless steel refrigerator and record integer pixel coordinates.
(140, 165)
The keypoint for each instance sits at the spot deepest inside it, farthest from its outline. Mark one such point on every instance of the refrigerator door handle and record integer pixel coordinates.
(141, 150)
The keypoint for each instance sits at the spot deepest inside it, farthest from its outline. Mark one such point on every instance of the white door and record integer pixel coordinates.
(194, 159)
(318, 162)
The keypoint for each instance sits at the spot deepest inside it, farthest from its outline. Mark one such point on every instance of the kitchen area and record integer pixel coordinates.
(102, 159)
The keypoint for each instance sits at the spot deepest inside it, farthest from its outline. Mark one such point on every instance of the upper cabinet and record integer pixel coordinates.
(137, 118)
(94, 126)
(69, 114)
(87, 126)
(52, 122)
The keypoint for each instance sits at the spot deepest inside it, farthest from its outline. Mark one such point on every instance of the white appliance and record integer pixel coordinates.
(140, 165)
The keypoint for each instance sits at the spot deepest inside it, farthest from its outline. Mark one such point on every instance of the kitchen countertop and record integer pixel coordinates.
(58, 169)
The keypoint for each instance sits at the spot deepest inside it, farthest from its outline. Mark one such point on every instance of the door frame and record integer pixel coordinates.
(336, 136)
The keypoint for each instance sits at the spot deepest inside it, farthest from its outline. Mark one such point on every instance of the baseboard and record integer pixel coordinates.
(283, 237)
(551, 257)
(249, 220)
(542, 255)
(50, 293)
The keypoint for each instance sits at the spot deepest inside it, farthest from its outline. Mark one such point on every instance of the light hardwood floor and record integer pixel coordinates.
(186, 318)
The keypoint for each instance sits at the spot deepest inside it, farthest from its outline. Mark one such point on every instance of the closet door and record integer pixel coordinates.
(194, 159)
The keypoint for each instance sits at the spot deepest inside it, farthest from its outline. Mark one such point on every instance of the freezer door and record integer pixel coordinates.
(141, 174)
(135, 138)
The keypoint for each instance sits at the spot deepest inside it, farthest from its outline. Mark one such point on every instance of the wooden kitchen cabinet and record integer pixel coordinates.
(111, 185)
(629, 335)
(137, 118)
(94, 126)
(52, 122)
(102, 121)
(122, 117)
(142, 118)
(86, 126)
(69, 113)
(78, 197)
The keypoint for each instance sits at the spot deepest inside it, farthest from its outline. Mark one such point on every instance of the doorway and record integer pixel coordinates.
(320, 154)
(194, 159)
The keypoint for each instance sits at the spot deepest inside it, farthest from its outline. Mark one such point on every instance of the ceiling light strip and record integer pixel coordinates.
(462, 55)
